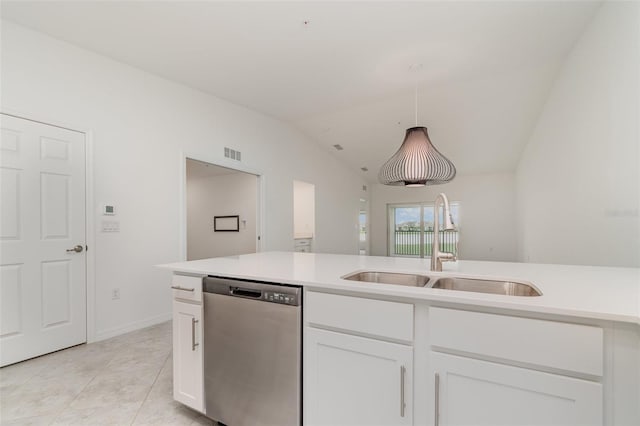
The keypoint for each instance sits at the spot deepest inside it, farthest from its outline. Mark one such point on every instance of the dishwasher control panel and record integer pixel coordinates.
(283, 298)
(258, 291)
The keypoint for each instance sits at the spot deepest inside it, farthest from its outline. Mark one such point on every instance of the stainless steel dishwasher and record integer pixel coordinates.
(252, 352)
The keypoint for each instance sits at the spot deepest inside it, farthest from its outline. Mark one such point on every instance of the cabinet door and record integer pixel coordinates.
(187, 355)
(352, 380)
(473, 392)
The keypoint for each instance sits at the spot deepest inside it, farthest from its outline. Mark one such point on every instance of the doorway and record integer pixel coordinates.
(304, 216)
(411, 229)
(363, 227)
(222, 211)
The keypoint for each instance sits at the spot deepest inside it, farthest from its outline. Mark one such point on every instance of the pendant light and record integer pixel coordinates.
(417, 162)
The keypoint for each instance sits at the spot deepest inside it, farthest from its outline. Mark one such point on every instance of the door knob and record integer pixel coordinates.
(77, 249)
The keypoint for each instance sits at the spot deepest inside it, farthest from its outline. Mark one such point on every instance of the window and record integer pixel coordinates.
(411, 229)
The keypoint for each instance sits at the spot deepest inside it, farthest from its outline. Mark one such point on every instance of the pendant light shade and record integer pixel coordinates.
(417, 163)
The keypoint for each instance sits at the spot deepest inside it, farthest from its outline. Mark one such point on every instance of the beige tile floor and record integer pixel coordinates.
(126, 380)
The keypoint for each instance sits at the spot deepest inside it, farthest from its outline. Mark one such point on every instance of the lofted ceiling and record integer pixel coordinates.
(344, 72)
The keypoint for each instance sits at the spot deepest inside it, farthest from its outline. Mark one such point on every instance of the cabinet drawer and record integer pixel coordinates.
(302, 242)
(558, 345)
(187, 287)
(385, 319)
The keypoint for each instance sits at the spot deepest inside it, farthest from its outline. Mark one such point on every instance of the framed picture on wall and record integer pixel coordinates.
(226, 223)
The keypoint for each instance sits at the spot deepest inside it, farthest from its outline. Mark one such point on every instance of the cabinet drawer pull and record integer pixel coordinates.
(437, 400)
(402, 404)
(193, 334)
(177, 287)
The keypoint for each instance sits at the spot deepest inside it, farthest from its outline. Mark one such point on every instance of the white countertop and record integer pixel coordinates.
(603, 293)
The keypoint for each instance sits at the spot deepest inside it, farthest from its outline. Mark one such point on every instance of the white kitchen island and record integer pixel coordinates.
(397, 355)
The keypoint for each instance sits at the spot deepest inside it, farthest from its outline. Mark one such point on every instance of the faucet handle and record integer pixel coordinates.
(447, 257)
(455, 253)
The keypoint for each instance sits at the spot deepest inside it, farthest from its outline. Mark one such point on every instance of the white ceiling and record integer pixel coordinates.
(343, 76)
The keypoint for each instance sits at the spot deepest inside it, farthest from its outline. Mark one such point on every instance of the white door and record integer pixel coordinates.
(43, 283)
(351, 380)
(473, 392)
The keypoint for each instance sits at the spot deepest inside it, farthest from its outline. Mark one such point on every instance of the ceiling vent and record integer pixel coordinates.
(232, 153)
(338, 147)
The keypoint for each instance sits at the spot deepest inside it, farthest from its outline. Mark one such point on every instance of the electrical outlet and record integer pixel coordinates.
(115, 294)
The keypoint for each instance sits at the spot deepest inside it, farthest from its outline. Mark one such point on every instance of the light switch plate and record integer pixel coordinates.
(110, 226)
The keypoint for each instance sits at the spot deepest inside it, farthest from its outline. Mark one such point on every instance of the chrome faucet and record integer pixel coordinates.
(437, 257)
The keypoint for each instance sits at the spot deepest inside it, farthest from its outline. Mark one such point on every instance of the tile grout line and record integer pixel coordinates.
(150, 388)
(54, 413)
(42, 368)
(43, 358)
(76, 396)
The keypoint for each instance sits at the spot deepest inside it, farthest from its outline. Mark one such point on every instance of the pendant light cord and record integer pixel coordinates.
(416, 68)
(416, 104)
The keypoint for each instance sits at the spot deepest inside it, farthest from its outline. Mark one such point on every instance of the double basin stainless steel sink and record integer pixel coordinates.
(476, 285)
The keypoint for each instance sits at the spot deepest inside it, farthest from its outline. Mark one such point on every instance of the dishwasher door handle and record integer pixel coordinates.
(245, 292)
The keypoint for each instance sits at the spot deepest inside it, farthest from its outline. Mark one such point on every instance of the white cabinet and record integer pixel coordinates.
(358, 361)
(474, 392)
(352, 380)
(499, 377)
(187, 355)
(366, 359)
(302, 245)
(188, 378)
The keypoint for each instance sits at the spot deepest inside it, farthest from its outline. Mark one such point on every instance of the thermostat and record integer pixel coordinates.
(108, 210)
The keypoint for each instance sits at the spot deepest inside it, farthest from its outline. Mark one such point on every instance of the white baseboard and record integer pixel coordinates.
(127, 328)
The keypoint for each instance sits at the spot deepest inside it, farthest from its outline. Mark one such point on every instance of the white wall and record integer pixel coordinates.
(224, 195)
(487, 214)
(578, 182)
(142, 125)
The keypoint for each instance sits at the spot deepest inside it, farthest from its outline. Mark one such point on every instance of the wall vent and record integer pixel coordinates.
(232, 153)
(338, 147)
